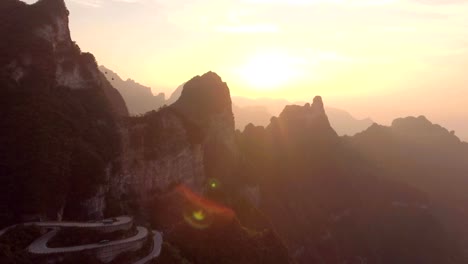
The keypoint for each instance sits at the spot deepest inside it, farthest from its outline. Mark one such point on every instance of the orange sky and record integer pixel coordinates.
(377, 58)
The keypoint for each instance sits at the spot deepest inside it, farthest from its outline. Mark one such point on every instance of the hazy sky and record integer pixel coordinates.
(377, 58)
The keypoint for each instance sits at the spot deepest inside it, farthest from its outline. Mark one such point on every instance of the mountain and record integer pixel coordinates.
(419, 153)
(332, 205)
(69, 150)
(58, 116)
(426, 156)
(292, 191)
(259, 111)
(179, 170)
(139, 98)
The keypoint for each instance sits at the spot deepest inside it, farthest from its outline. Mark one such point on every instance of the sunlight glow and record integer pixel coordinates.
(268, 71)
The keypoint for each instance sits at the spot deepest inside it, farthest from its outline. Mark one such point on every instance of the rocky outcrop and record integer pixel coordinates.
(310, 118)
(189, 142)
(206, 101)
(58, 116)
(161, 150)
(204, 97)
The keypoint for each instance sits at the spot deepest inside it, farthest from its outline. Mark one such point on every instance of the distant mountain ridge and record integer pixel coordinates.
(259, 112)
(139, 98)
(426, 156)
(331, 204)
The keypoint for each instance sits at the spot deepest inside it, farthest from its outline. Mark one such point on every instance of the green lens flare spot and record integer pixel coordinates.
(198, 215)
(213, 184)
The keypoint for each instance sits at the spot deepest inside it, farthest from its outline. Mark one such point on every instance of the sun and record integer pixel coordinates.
(269, 71)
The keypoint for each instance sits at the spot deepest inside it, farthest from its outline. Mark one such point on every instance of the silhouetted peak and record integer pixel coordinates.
(412, 122)
(307, 111)
(251, 128)
(310, 118)
(318, 103)
(53, 6)
(422, 129)
(212, 76)
(203, 96)
(375, 126)
(375, 130)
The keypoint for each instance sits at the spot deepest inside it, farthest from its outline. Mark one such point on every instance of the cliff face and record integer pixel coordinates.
(68, 150)
(58, 117)
(161, 150)
(206, 101)
(190, 142)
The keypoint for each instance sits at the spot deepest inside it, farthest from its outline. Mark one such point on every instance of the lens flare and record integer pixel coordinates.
(199, 215)
(213, 184)
(200, 212)
(198, 218)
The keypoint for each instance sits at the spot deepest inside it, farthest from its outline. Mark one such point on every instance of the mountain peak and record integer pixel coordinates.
(53, 6)
(416, 129)
(308, 118)
(317, 102)
(310, 111)
(411, 122)
(204, 96)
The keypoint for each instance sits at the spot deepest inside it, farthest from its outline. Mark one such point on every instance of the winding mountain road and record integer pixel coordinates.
(119, 221)
(40, 245)
(157, 243)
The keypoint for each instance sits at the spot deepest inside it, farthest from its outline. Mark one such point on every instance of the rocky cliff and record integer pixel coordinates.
(58, 117)
(68, 149)
(189, 142)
